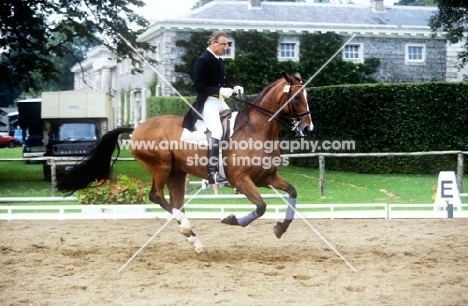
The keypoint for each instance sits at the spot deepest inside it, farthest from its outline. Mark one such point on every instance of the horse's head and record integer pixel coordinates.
(295, 107)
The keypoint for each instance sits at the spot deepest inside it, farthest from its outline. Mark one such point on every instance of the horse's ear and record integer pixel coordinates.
(286, 76)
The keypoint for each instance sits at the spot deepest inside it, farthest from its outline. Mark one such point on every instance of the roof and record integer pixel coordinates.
(313, 13)
(302, 16)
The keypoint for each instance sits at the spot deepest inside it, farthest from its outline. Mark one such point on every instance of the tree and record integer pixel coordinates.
(316, 49)
(193, 49)
(34, 32)
(451, 18)
(256, 61)
(245, 69)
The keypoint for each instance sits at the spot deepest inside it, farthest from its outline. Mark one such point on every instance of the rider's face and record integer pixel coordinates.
(220, 46)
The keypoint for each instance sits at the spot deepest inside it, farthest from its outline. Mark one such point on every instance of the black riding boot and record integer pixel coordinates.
(213, 162)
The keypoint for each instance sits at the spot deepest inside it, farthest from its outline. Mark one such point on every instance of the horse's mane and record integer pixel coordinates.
(265, 90)
(255, 101)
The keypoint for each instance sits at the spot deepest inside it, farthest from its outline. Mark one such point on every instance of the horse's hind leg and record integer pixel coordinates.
(176, 183)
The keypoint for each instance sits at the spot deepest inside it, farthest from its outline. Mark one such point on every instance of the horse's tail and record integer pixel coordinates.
(95, 166)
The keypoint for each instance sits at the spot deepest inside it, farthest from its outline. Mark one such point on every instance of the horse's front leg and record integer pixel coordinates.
(185, 229)
(175, 182)
(248, 188)
(278, 182)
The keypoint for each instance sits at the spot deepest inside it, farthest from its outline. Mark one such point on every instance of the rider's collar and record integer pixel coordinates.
(217, 57)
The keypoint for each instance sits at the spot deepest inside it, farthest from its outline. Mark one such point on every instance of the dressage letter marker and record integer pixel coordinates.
(447, 195)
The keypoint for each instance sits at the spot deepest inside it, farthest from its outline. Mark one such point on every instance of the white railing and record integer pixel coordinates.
(187, 196)
(219, 211)
(322, 155)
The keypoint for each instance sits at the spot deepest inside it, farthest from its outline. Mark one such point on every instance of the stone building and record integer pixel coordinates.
(399, 36)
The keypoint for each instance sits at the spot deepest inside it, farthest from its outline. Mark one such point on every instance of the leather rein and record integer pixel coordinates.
(293, 121)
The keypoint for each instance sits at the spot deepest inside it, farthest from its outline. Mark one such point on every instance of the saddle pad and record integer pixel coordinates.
(199, 135)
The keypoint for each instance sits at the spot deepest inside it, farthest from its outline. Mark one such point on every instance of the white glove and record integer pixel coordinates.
(239, 90)
(226, 91)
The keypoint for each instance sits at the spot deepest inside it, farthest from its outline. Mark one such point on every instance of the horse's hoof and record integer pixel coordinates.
(200, 251)
(230, 220)
(278, 229)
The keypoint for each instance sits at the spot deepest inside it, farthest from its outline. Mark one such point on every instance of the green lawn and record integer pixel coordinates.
(18, 179)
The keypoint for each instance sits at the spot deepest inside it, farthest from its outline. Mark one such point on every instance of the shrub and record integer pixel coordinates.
(125, 191)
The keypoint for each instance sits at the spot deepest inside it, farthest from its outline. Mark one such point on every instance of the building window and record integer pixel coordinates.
(353, 53)
(229, 51)
(415, 54)
(288, 50)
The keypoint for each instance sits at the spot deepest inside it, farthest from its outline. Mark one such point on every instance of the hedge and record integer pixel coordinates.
(157, 106)
(378, 117)
(391, 118)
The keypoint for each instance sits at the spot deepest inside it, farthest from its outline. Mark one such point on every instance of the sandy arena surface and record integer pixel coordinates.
(398, 262)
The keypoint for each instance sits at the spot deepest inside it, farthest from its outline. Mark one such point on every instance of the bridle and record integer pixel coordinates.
(293, 120)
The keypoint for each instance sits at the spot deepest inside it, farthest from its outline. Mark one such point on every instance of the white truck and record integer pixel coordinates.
(73, 121)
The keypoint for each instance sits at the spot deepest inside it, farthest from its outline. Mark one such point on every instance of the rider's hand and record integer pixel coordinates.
(226, 91)
(239, 90)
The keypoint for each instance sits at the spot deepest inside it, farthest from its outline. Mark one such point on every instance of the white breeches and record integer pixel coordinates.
(213, 107)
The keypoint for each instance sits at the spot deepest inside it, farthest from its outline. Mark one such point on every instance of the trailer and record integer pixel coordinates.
(66, 124)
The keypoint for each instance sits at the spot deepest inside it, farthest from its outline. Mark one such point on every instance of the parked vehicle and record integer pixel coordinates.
(8, 141)
(33, 146)
(64, 123)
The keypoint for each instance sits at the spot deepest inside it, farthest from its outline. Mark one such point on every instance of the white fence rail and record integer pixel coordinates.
(321, 156)
(53, 161)
(219, 211)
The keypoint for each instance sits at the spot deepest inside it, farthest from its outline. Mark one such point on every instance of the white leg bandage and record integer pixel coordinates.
(184, 225)
(195, 241)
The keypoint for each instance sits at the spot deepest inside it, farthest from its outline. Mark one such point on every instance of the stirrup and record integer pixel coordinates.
(216, 178)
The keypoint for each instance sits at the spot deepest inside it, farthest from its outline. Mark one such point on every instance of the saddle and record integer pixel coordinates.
(200, 133)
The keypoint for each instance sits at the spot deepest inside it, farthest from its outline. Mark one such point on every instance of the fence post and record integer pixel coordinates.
(460, 172)
(53, 177)
(322, 175)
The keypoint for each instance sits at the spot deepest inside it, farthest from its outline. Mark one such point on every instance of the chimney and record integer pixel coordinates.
(377, 5)
(255, 4)
(203, 2)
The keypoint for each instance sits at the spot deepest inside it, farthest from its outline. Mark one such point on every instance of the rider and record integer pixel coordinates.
(212, 86)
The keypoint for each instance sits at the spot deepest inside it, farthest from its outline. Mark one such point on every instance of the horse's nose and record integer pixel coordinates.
(308, 129)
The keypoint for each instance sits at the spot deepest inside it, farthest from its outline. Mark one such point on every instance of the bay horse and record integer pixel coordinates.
(169, 167)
